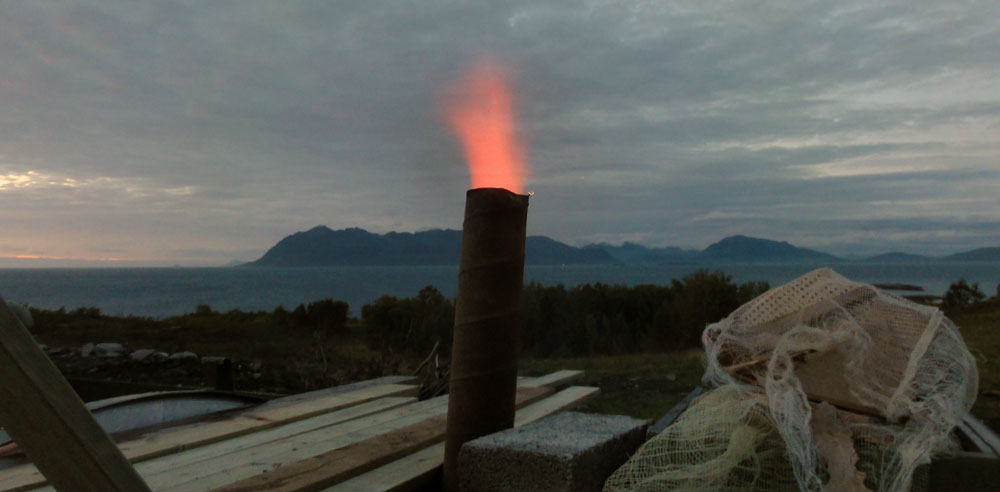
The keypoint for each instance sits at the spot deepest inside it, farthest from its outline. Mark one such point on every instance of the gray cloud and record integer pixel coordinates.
(186, 131)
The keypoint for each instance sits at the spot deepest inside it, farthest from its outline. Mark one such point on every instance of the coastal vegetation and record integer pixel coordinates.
(640, 344)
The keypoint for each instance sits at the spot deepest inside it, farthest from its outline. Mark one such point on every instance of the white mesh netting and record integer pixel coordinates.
(899, 372)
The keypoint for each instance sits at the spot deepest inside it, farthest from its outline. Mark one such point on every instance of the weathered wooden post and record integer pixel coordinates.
(47, 419)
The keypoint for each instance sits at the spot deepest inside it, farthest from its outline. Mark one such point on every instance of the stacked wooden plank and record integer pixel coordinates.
(369, 438)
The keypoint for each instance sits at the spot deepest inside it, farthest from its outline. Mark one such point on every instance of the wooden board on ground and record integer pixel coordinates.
(418, 469)
(669, 417)
(982, 439)
(43, 414)
(176, 461)
(349, 461)
(264, 417)
(245, 463)
(343, 388)
(558, 379)
(177, 439)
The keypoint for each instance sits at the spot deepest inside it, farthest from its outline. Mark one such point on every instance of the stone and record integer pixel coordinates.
(108, 350)
(183, 356)
(569, 451)
(142, 354)
(86, 350)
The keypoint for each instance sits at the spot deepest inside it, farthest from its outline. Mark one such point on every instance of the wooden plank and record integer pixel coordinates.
(220, 470)
(176, 461)
(988, 441)
(558, 379)
(176, 439)
(407, 474)
(970, 440)
(342, 463)
(229, 468)
(416, 471)
(49, 422)
(345, 388)
(264, 417)
(567, 398)
(345, 462)
(674, 412)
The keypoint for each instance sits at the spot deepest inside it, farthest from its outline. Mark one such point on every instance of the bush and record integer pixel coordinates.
(328, 315)
(701, 298)
(86, 312)
(961, 294)
(616, 319)
(412, 325)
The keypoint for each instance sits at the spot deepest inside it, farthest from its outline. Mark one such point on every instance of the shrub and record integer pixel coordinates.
(86, 312)
(961, 294)
(328, 315)
(411, 325)
(701, 298)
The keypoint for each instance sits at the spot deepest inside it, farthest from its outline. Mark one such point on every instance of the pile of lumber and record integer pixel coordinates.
(362, 437)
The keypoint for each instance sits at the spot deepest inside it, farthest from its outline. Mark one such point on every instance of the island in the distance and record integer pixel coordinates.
(322, 246)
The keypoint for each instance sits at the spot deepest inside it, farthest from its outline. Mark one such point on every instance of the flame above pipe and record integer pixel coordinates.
(481, 111)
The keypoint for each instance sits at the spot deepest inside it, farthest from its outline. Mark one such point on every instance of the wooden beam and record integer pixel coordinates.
(418, 470)
(173, 462)
(245, 463)
(264, 417)
(414, 472)
(345, 462)
(49, 422)
(668, 419)
(558, 379)
(984, 439)
(176, 439)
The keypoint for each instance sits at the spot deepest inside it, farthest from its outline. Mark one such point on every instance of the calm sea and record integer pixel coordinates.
(162, 292)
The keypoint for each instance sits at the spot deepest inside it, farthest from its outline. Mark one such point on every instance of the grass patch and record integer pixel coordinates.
(639, 385)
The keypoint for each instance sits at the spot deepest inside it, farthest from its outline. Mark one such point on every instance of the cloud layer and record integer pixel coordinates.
(196, 132)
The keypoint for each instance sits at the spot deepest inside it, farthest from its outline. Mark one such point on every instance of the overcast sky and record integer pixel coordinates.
(199, 132)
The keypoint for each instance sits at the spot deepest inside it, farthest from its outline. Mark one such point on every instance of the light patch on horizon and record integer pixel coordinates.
(726, 215)
(44, 257)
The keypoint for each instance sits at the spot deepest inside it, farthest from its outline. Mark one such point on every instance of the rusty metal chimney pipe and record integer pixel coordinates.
(486, 337)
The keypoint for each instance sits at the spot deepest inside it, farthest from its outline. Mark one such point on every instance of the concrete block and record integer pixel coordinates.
(568, 451)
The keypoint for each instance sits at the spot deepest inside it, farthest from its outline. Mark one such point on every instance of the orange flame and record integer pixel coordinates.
(482, 114)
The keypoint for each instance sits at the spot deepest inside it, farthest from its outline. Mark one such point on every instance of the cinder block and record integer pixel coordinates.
(568, 451)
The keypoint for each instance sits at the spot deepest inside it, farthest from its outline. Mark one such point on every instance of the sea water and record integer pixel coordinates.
(160, 292)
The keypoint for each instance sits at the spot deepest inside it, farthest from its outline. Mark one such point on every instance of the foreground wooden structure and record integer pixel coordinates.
(42, 412)
(375, 437)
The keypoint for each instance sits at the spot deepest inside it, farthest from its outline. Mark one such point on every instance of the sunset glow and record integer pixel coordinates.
(481, 112)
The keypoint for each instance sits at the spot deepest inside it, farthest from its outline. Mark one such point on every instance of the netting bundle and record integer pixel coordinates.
(900, 369)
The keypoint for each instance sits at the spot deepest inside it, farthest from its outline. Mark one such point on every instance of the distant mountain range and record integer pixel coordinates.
(322, 246)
